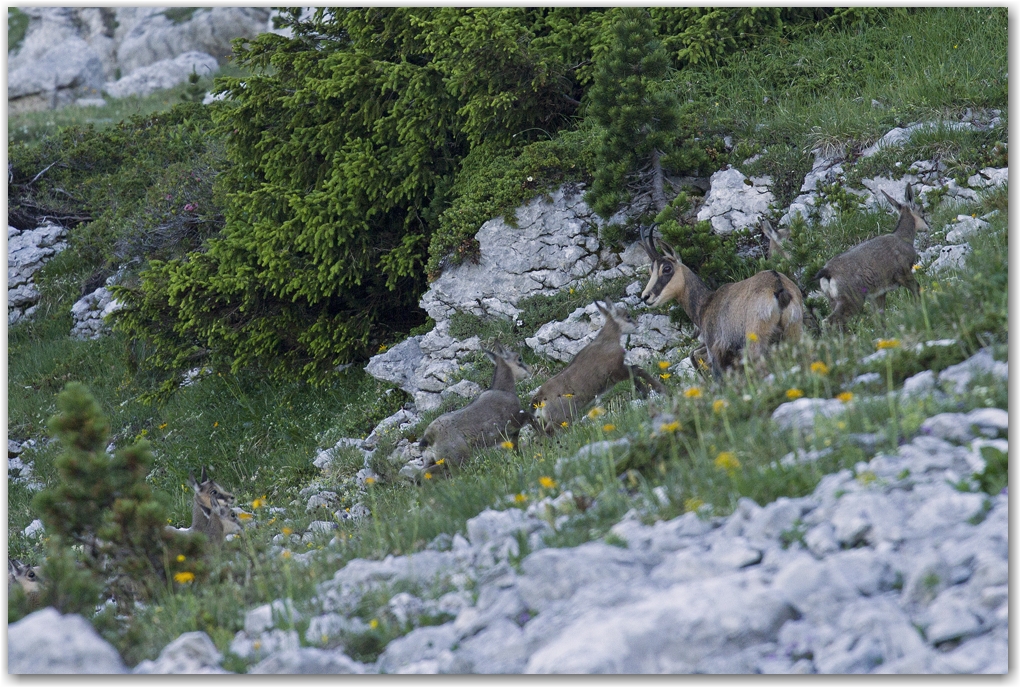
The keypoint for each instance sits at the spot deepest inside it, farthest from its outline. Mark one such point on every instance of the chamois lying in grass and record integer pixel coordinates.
(492, 418)
(594, 370)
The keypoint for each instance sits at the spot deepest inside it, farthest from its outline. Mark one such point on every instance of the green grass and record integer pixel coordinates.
(259, 438)
(17, 26)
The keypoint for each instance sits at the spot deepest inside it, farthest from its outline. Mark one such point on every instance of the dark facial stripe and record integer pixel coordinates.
(661, 282)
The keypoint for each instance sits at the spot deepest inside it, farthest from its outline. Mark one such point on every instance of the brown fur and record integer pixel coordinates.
(492, 418)
(595, 369)
(210, 510)
(751, 314)
(871, 269)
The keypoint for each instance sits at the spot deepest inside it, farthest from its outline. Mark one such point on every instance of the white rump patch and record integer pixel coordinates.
(829, 287)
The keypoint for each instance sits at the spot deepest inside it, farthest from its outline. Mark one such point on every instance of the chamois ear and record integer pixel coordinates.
(205, 477)
(908, 194)
(892, 201)
(666, 250)
(603, 309)
(191, 480)
(490, 355)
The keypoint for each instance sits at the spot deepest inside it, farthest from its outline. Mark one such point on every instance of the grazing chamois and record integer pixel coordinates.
(25, 576)
(492, 418)
(871, 269)
(594, 370)
(750, 314)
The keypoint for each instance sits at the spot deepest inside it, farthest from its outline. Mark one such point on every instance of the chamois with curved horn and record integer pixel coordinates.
(494, 417)
(594, 370)
(871, 269)
(749, 314)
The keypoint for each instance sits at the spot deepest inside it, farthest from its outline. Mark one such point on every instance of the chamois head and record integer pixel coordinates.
(512, 359)
(24, 575)
(619, 315)
(911, 220)
(208, 492)
(776, 239)
(666, 279)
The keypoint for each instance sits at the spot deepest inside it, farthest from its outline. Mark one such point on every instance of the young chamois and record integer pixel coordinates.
(26, 576)
(492, 418)
(751, 314)
(210, 510)
(871, 269)
(776, 239)
(594, 370)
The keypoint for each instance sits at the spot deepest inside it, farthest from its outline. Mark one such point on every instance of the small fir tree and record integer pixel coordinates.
(636, 115)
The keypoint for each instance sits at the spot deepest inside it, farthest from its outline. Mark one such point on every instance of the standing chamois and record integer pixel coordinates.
(751, 314)
(595, 369)
(871, 269)
(492, 418)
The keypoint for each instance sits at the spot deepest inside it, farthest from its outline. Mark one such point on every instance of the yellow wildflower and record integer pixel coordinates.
(180, 558)
(286, 553)
(215, 425)
(571, 292)
(819, 368)
(373, 623)
(507, 445)
(752, 337)
(163, 426)
(841, 425)
(665, 375)
(727, 461)
(846, 396)
(720, 405)
(287, 531)
(244, 516)
(184, 577)
(608, 428)
(669, 426)
(440, 461)
(866, 477)
(547, 482)
(564, 424)
(568, 395)
(794, 394)
(428, 475)
(382, 348)
(370, 480)
(693, 392)
(258, 503)
(520, 498)
(595, 412)
(540, 404)
(693, 504)
(915, 268)
(663, 364)
(888, 343)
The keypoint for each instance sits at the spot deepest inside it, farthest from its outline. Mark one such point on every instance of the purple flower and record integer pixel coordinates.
(190, 207)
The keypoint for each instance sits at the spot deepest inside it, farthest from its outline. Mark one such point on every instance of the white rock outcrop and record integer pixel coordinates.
(27, 252)
(46, 642)
(735, 201)
(163, 74)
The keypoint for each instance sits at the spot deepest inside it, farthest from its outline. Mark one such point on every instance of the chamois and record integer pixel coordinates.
(751, 314)
(776, 239)
(495, 416)
(210, 510)
(595, 369)
(26, 576)
(875, 267)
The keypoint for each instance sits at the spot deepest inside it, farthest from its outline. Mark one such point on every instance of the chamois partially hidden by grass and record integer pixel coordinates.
(210, 510)
(594, 370)
(26, 576)
(492, 418)
(871, 269)
(750, 314)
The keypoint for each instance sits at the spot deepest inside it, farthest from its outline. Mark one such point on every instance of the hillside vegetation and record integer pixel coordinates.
(275, 237)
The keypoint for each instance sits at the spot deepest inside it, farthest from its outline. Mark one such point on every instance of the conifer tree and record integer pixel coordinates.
(636, 115)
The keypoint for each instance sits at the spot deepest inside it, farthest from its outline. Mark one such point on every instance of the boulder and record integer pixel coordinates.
(162, 74)
(47, 642)
(191, 653)
(735, 201)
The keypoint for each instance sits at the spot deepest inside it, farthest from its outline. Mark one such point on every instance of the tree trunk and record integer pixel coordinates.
(658, 195)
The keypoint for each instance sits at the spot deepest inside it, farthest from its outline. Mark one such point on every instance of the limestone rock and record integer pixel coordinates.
(48, 642)
(800, 414)
(735, 201)
(308, 661)
(163, 74)
(191, 653)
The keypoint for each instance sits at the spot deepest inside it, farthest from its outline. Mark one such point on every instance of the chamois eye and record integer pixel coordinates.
(667, 268)
(31, 574)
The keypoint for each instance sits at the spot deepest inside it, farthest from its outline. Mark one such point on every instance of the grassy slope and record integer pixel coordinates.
(260, 438)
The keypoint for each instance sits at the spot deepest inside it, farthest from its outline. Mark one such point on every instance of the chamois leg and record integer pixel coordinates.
(842, 312)
(637, 374)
